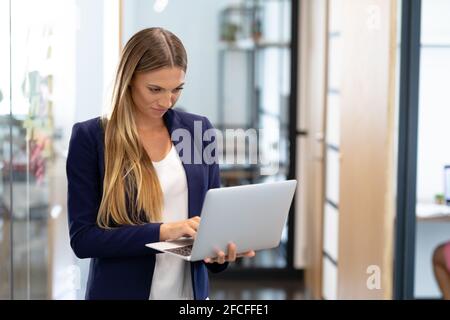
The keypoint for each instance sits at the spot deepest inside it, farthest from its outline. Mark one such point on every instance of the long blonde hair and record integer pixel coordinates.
(132, 194)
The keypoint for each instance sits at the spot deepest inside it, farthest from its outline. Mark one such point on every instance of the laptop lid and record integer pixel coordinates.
(251, 216)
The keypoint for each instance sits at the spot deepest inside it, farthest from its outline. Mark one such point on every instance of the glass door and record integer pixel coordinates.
(433, 152)
(5, 154)
(422, 264)
(43, 50)
(57, 62)
(256, 39)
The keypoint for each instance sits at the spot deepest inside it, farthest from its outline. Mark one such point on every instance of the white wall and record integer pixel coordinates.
(434, 107)
(196, 24)
(97, 55)
(89, 60)
(434, 125)
(64, 58)
(111, 48)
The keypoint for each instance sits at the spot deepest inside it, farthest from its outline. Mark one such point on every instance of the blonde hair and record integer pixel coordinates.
(132, 194)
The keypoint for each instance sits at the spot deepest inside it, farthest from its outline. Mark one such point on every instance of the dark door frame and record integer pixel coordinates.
(407, 150)
(295, 11)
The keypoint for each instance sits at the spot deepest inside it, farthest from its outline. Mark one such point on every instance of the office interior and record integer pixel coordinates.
(353, 94)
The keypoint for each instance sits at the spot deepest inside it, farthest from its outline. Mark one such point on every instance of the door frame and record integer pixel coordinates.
(405, 229)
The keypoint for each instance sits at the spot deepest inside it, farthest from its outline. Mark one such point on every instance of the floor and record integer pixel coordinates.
(256, 290)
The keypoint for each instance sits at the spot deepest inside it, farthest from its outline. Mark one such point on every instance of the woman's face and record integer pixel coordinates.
(155, 92)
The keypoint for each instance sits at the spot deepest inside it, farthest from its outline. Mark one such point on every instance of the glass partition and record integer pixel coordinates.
(432, 211)
(5, 154)
(63, 56)
(62, 62)
(43, 76)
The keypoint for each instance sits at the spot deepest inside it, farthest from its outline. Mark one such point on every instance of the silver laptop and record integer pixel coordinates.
(252, 216)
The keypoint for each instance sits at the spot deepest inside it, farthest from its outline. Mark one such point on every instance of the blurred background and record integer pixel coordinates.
(352, 96)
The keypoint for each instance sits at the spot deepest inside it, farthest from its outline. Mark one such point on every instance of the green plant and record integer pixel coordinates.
(439, 198)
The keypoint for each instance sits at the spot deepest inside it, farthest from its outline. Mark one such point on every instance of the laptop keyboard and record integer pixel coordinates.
(183, 251)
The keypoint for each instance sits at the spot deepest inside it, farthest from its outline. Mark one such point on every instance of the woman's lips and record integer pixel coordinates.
(159, 110)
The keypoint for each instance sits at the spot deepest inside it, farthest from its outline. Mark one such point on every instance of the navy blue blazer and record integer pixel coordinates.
(121, 265)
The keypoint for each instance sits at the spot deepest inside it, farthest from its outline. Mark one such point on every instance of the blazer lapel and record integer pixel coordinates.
(173, 122)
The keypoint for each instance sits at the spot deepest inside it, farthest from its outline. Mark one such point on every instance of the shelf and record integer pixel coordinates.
(249, 45)
(431, 211)
(240, 8)
(255, 42)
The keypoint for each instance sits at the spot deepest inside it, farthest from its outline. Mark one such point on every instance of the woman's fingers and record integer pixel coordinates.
(232, 255)
(193, 224)
(221, 257)
(231, 252)
(178, 229)
(190, 231)
(248, 254)
(191, 227)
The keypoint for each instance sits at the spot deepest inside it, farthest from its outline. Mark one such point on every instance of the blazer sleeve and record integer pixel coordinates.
(84, 195)
(214, 182)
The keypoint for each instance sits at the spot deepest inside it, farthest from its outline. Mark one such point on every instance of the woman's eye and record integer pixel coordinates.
(158, 90)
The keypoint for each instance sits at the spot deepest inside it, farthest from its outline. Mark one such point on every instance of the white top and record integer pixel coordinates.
(172, 275)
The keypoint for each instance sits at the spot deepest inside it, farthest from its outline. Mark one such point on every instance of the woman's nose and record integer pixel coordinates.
(166, 102)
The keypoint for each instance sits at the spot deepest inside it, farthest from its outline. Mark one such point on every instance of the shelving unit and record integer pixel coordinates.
(253, 93)
(255, 49)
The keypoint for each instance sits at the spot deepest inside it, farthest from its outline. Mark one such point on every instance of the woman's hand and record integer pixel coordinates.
(231, 256)
(175, 230)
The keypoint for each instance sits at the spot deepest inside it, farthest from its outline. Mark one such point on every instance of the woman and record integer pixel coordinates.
(127, 185)
(441, 267)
